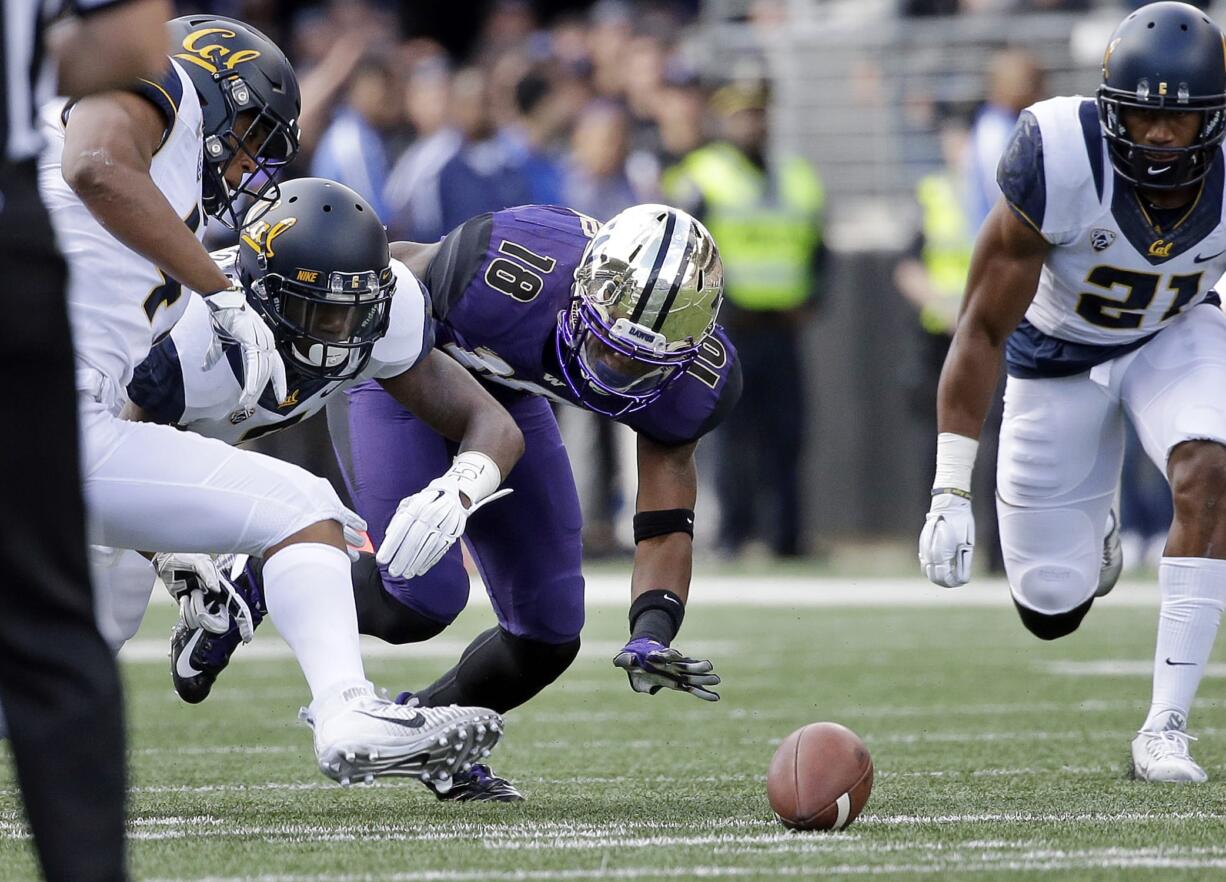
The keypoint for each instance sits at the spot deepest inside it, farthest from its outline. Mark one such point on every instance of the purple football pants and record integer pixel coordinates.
(527, 545)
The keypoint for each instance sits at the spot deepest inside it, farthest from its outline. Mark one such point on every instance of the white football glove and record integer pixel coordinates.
(206, 597)
(947, 543)
(354, 529)
(235, 321)
(427, 523)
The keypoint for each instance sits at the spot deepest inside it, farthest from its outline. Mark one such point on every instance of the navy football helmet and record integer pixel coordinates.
(238, 72)
(1166, 57)
(317, 267)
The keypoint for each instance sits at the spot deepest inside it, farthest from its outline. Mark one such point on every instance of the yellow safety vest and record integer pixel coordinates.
(947, 246)
(766, 227)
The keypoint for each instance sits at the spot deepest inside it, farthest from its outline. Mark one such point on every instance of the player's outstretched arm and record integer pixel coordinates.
(1004, 274)
(109, 142)
(660, 584)
(445, 397)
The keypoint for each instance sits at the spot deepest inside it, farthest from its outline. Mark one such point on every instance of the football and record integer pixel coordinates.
(819, 778)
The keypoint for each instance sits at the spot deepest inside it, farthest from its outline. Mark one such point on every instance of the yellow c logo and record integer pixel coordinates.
(210, 55)
(260, 237)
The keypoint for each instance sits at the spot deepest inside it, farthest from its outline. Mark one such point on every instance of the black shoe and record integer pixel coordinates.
(198, 656)
(479, 784)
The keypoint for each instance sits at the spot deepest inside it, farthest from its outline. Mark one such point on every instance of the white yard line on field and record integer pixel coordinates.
(612, 589)
(270, 647)
(962, 863)
(1116, 668)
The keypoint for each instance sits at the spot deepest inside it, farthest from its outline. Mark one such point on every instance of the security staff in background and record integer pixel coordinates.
(765, 213)
(59, 687)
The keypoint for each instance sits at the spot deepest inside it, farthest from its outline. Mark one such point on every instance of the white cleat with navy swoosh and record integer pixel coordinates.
(360, 737)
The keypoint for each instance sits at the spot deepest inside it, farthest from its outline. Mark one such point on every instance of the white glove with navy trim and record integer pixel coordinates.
(235, 321)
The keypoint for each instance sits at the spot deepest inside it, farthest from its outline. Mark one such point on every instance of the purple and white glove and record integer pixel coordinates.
(652, 666)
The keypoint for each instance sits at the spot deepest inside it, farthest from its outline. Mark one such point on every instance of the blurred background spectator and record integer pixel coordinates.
(765, 211)
(439, 111)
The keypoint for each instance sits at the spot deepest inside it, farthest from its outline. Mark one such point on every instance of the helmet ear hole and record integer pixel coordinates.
(327, 208)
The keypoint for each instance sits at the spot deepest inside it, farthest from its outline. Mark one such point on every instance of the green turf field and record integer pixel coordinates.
(998, 757)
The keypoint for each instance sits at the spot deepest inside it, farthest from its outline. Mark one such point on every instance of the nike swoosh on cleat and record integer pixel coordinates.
(183, 664)
(1199, 259)
(415, 723)
(1175, 664)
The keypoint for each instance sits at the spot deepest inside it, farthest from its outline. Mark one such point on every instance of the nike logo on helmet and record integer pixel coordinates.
(183, 664)
(416, 722)
(1158, 170)
(1199, 259)
(1175, 664)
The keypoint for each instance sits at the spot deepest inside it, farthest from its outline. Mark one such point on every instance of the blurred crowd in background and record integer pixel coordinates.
(437, 112)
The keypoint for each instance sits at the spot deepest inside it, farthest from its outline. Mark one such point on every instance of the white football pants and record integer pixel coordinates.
(154, 488)
(1062, 447)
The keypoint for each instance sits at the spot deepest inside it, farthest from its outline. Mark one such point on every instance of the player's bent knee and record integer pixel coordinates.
(1051, 588)
(381, 614)
(1052, 626)
(539, 663)
(326, 532)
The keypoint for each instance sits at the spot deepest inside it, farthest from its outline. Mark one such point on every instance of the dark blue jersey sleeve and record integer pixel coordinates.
(164, 93)
(157, 384)
(1020, 172)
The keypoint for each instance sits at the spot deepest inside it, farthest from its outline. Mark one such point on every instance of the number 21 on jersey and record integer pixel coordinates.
(1139, 289)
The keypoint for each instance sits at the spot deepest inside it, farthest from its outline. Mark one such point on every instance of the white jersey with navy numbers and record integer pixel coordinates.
(1118, 272)
(119, 302)
(173, 385)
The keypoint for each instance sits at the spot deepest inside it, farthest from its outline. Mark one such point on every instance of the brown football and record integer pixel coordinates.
(819, 778)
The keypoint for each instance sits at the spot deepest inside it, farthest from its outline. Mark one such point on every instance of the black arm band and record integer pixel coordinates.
(658, 599)
(650, 524)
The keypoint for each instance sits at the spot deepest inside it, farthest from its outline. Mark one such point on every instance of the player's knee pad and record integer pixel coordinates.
(382, 615)
(1052, 556)
(1052, 626)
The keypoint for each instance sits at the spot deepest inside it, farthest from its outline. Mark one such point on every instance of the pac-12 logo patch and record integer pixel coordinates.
(1101, 239)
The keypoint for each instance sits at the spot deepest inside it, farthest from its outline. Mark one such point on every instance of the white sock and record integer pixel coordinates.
(1193, 596)
(309, 593)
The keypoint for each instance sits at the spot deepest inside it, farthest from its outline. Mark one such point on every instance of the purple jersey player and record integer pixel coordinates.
(546, 305)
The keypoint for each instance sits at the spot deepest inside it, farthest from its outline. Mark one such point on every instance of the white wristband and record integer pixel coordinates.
(476, 475)
(955, 462)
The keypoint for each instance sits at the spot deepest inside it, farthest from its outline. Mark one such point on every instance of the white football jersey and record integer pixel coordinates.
(1117, 273)
(173, 385)
(118, 301)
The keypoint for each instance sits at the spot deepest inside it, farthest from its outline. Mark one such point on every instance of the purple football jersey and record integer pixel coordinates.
(498, 285)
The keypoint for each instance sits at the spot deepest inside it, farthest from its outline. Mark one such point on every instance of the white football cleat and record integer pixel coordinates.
(360, 737)
(1163, 755)
(1113, 557)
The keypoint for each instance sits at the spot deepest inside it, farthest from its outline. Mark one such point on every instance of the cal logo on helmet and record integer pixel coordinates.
(201, 47)
(260, 235)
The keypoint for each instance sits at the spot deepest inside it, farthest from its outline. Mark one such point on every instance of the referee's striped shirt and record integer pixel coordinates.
(26, 75)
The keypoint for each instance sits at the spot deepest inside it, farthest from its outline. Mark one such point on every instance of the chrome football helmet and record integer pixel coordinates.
(646, 293)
